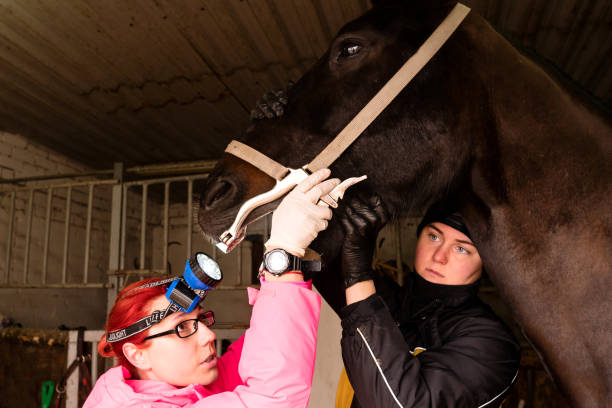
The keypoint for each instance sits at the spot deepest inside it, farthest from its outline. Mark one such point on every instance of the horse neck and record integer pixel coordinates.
(539, 127)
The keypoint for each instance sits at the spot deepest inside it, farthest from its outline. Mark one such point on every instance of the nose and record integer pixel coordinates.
(217, 191)
(205, 335)
(440, 255)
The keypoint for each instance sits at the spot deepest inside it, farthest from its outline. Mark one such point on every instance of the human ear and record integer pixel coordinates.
(136, 355)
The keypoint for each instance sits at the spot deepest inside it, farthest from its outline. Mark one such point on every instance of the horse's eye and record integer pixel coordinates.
(350, 50)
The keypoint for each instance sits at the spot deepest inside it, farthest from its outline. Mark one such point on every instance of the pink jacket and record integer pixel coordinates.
(271, 366)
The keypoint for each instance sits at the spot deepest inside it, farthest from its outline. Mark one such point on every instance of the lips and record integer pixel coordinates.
(211, 360)
(435, 273)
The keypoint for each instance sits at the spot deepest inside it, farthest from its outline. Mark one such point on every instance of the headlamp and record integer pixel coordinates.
(202, 273)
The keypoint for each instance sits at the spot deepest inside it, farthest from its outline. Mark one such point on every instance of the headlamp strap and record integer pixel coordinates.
(142, 324)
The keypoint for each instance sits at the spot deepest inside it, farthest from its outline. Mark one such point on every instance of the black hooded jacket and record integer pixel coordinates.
(427, 345)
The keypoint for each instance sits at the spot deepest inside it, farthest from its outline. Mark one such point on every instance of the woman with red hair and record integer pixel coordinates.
(167, 357)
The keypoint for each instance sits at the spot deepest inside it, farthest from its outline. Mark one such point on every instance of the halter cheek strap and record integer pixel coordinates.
(271, 167)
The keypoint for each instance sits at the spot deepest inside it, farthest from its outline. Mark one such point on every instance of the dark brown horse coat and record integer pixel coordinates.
(528, 161)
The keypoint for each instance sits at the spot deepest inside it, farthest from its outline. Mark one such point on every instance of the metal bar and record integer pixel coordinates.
(91, 336)
(57, 176)
(26, 255)
(147, 272)
(166, 221)
(246, 263)
(72, 385)
(226, 334)
(9, 240)
(66, 234)
(88, 233)
(218, 343)
(180, 167)
(57, 285)
(63, 185)
(47, 234)
(189, 214)
(94, 362)
(184, 167)
(239, 256)
(123, 228)
(166, 179)
(143, 226)
(115, 243)
(193, 166)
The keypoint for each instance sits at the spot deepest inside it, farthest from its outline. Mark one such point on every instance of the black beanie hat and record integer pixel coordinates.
(444, 213)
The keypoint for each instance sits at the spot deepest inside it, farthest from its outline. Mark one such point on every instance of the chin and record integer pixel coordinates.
(209, 377)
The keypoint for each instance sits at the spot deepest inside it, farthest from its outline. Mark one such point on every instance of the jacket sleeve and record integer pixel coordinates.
(474, 368)
(278, 356)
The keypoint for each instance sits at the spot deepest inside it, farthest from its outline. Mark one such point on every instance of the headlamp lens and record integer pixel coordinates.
(209, 266)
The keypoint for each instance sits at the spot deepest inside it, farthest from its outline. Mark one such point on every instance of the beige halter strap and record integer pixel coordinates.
(369, 112)
(271, 167)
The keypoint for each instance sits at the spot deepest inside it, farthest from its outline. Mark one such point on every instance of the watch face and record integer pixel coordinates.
(277, 261)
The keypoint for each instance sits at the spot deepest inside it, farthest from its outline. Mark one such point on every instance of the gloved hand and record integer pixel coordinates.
(361, 221)
(298, 219)
(272, 104)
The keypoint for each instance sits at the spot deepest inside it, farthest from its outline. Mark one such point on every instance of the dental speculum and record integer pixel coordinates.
(236, 233)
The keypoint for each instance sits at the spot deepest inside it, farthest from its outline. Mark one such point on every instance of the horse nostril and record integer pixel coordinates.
(217, 193)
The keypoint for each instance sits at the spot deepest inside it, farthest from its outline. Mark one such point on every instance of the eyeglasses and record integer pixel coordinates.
(188, 327)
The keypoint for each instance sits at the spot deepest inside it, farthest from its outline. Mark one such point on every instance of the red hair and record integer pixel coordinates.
(130, 306)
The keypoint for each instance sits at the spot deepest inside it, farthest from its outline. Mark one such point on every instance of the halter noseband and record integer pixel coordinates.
(286, 178)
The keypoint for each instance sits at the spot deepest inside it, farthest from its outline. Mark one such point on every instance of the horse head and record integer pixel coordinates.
(429, 143)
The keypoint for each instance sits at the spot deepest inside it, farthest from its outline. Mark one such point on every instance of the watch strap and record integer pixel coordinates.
(311, 266)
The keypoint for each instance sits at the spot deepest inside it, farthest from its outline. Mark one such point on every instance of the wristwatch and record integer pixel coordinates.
(279, 261)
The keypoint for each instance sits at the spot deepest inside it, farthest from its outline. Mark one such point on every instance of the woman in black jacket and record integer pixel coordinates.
(432, 342)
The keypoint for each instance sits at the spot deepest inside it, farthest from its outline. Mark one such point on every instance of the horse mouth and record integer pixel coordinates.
(214, 227)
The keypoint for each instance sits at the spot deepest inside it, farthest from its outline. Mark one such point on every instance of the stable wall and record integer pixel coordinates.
(50, 308)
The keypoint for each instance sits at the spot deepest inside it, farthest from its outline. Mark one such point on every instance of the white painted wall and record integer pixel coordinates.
(328, 365)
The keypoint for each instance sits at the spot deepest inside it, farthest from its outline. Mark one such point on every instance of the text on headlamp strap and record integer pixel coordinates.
(142, 324)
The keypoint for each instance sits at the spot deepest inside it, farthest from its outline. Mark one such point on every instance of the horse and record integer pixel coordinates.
(525, 157)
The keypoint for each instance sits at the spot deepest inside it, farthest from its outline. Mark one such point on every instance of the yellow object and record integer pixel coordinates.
(345, 392)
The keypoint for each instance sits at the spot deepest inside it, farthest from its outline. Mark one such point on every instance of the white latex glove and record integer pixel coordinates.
(298, 219)
(337, 193)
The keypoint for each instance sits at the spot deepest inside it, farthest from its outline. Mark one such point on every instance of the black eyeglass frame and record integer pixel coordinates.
(202, 317)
